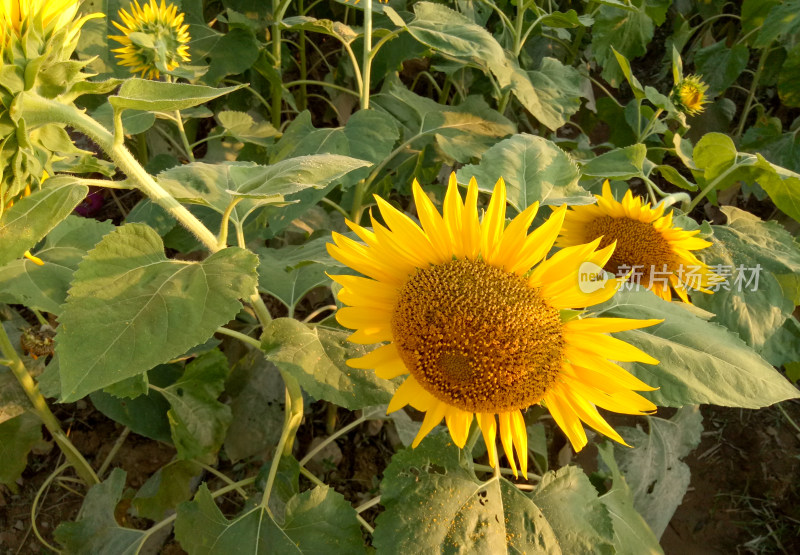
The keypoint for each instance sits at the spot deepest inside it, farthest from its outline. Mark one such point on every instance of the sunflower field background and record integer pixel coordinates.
(342, 276)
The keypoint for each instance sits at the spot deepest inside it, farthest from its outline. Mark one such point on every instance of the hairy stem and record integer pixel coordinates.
(73, 456)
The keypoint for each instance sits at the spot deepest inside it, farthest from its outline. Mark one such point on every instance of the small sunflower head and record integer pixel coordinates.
(154, 38)
(689, 95)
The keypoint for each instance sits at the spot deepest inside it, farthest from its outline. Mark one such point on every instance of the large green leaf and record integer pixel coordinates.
(45, 287)
(288, 285)
(164, 490)
(700, 362)
(32, 217)
(197, 420)
(316, 356)
(131, 308)
(257, 398)
(97, 530)
(550, 93)
(460, 132)
(653, 469)
(17, 436)
(768, 139)
(781, 22)
(533, 168)
(160, 96)
(753, 256)
(632, 535)
(788, 80)
(629, 31)
(435, 504)
(368, 135)
(720, 66)
(217, 185)
(580, 520)
(229, 53)
(620, 163)
(316, 521)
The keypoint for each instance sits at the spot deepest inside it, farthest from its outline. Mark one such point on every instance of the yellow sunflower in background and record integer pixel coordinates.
(154, 36)
(54, 14)
(656, 254)
(472, 310)
(689, 95)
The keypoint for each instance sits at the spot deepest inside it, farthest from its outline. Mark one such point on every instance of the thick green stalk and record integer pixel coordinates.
(40, 110)
(367, 58)
(73, 456)
(752, 93)
(294, 416)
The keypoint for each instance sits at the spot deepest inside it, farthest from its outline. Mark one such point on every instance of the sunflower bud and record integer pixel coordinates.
(689, 95)
(154, 38)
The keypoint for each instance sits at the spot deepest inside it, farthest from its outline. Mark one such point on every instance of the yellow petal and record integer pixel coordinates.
(488, 425)
(433, 416)
(458, 422)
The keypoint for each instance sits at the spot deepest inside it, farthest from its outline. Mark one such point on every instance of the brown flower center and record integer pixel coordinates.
(478, 338)
(638, 244)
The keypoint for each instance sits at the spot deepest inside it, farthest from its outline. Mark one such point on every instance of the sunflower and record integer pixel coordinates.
(479, 319)
(689, 95)
(154, 38)
(52, 15)
(649, 248)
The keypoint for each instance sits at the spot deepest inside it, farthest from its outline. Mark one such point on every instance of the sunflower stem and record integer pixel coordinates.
(73, 456)
(39, 110)
(762, 60)
(367, 58)
(184, 139)
(294, 415)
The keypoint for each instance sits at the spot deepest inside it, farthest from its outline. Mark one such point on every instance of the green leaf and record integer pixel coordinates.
(45, 287)
(288, 285)
(632, 535)
(432, 488)
(129, 305)
(720, 66)
(133, 121)
(620, 163)
(700, 362)
(229, 53)
(243, 127)
(145, 415)
(783, 348)
(566, 20)
(789, 79)
(763, 250)
(336, 29)
(217, 185)
(628, 30)
(97, 531)
(675, 177)
(580, 520)
(534, 169)
(166, 489)
(32, 217)
(653, 469)
(148, 212)
(160, 96)
(17, 437)
(781, 22)
(768, 139)
(558, 90)
(316, 521)
(368, 135)
(550, 93)
(460, 132)
(316, 356)
(625, 66)
(714, 154)
(13, 401)
(197, 420)
(257, 399)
